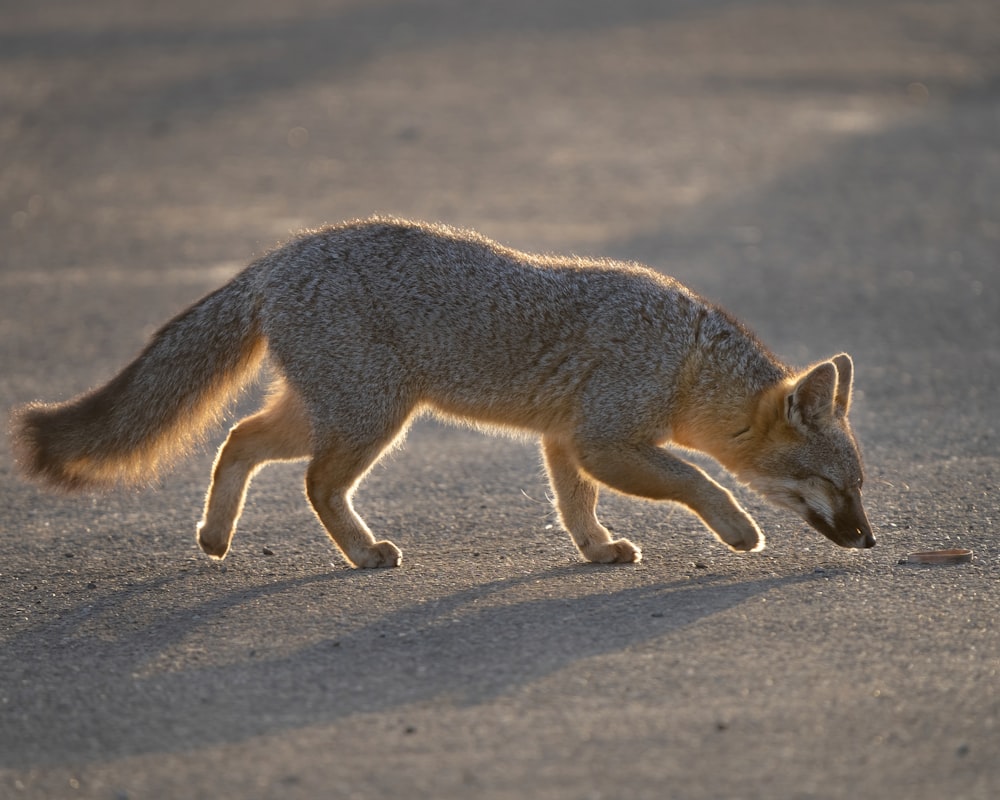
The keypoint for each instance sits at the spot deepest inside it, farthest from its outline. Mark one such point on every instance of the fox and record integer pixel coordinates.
(616, 368)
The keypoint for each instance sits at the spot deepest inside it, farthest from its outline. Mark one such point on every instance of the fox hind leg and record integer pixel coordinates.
(340, 459)
(576, 500)
(279, 432)
(330, 480)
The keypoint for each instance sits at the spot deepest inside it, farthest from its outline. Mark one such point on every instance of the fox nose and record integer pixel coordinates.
(869, 539)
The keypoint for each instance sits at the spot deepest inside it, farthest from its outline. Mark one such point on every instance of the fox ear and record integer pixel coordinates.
(845, 380)
(812, 400)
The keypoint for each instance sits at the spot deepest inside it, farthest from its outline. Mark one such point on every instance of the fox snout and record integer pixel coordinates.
(848, 525)
(836, 513)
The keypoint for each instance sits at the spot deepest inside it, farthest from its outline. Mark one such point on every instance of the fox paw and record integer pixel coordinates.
(380, 554)
(620, 551)
(214, 545)
(745, 537)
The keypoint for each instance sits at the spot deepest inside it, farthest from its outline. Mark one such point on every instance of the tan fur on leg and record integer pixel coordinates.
(279, 432)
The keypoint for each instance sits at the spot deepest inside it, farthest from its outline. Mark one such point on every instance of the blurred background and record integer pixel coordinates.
(828, 170)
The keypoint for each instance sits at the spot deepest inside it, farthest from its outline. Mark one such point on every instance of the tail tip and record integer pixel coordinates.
(36, 456)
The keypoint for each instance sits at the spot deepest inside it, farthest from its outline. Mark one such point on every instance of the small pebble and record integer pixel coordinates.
(267, 551)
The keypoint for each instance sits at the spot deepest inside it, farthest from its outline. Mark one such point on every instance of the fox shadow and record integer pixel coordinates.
(465, 648)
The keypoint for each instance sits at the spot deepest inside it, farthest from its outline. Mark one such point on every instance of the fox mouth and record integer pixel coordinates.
(846, 530)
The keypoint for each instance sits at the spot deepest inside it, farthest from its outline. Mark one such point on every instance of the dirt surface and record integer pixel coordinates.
(829, 171)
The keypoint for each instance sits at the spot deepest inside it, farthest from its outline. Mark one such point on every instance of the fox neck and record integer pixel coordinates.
(729, 390)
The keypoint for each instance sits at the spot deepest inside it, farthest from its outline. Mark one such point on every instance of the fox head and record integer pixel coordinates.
(804, 456)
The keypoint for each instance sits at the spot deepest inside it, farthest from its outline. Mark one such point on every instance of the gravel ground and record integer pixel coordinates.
(829, 171)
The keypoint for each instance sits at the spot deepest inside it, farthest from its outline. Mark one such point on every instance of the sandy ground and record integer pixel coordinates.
(829, 171)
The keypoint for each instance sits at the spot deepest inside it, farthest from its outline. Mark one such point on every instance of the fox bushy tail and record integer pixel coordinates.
(157, 407)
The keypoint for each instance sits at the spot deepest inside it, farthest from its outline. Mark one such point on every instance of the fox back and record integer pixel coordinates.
(480, 331)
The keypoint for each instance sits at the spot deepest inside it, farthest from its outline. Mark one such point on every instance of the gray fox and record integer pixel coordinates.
(372, 322)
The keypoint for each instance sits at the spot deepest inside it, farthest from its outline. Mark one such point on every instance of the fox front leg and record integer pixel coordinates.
(576, 501)
(652, 472)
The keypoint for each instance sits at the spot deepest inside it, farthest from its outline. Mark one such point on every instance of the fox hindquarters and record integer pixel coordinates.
(370, 323)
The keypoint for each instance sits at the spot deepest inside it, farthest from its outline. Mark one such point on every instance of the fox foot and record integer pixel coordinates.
(214, 545)
(380, 554)
(741, 534)
(620, 551)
